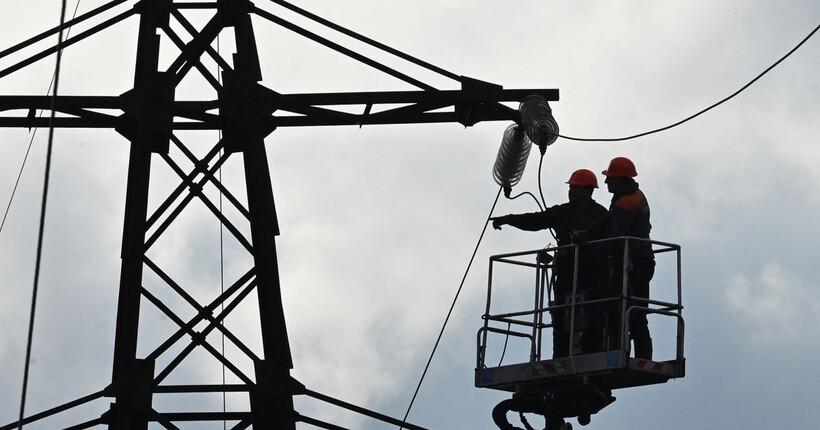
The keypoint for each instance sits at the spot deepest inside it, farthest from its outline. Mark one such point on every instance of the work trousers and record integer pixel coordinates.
(588, 320)
(639, 276)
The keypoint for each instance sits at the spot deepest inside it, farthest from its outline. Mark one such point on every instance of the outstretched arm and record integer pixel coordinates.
(530, 221)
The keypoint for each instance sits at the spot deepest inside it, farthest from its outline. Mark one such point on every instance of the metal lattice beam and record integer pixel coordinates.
(245, 112)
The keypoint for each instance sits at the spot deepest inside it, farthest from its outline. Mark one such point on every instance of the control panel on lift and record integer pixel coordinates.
(559, 322)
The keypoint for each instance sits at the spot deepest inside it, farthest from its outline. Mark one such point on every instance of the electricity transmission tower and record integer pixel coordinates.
(150, 117)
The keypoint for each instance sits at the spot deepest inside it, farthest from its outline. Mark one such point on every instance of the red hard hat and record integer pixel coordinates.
(584, 178)
(621, 166)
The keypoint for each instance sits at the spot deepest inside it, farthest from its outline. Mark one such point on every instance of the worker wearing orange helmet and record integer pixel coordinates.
(571, 221)
(629, 217)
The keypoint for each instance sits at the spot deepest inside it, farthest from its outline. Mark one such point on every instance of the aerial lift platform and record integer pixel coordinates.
(579, 384)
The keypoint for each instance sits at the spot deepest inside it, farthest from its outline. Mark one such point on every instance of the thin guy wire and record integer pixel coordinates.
(367, 40)
(42, 219)
(22, 167)
(452, 306)
(31, 141)
(619, 139)
(221, 251)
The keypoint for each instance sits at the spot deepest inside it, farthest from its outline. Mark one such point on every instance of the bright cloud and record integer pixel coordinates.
(777, 306)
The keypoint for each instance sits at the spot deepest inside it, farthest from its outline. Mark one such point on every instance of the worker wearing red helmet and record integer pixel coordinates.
(571, 221)
(629, 216)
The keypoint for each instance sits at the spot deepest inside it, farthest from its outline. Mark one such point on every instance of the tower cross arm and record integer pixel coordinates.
(466, 106)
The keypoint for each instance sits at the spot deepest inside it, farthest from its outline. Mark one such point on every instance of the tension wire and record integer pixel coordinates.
(42, 217)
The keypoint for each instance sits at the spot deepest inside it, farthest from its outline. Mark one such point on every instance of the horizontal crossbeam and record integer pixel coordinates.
(414, 107)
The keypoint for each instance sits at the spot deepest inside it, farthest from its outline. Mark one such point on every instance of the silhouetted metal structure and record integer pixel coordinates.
(149, 117)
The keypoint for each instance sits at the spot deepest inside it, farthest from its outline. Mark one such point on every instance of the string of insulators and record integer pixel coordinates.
(537, 126)
(511, 158)
(537, 120)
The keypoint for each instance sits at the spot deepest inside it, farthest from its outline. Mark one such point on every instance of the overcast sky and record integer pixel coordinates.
(378, 223)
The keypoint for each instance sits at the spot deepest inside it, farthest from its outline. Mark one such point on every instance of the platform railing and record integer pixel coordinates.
(531, 323)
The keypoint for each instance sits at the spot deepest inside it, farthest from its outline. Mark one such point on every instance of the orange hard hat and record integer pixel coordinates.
(620, 166)
(584, 178)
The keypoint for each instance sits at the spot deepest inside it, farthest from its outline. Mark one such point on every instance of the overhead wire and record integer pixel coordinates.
(221, 247)
(452, 306)
(20, 173)
(451, 75)
(31, 141)
(691, 117)
(367, 40)
(42, 217)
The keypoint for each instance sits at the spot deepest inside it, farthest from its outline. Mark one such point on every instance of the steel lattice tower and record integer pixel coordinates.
(150, 116)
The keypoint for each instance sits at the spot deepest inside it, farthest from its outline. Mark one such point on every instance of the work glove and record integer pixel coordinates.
(499, 221)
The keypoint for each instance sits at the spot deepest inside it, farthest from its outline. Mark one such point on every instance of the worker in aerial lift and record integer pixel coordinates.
(572, 222)
(629, 216)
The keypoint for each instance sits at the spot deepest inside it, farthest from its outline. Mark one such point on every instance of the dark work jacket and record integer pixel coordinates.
(562, 218)
(629, 216)
(565, 219)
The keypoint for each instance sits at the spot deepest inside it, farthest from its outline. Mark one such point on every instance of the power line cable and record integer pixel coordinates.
(31, 141)
(22, 167)
(452, 306)
(42, 217)
(367, 40)
(221, 243)
(221, 247)
(687, 119)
